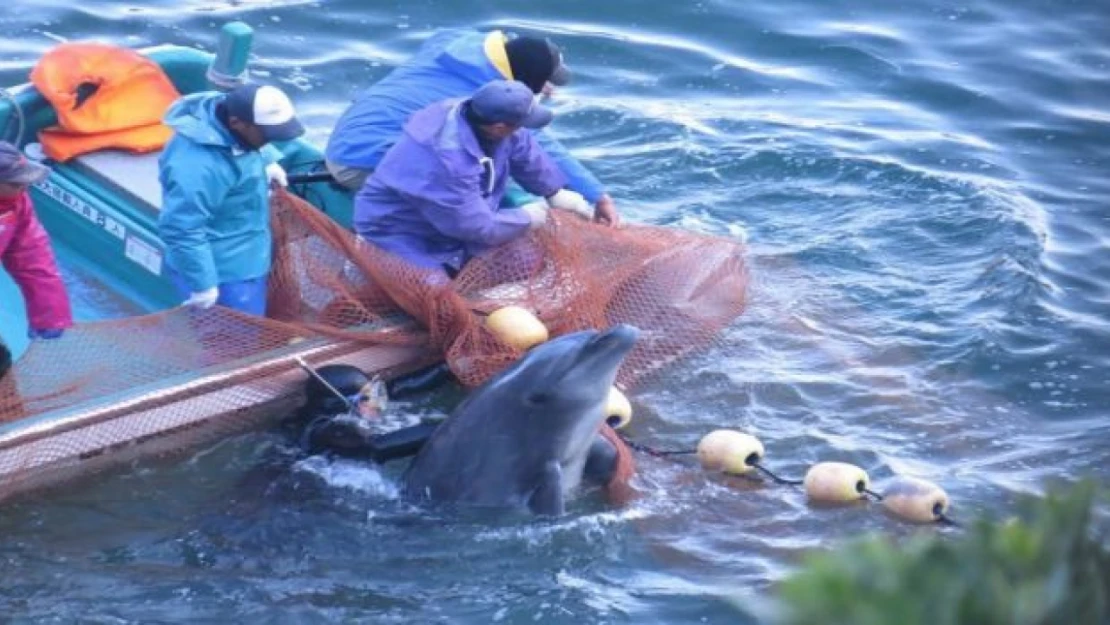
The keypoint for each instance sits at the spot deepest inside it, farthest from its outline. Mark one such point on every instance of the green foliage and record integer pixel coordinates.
(1049, 568)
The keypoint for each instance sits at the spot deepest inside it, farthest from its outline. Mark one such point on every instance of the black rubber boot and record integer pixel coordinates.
(419, 381)
(402, 443)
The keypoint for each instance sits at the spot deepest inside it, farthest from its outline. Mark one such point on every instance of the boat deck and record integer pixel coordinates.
(135, 175)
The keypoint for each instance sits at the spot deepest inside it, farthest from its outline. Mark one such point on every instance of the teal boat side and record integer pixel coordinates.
(13, 319)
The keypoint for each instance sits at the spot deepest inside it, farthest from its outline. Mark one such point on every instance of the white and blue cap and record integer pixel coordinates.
(509, 102)
(266, 107)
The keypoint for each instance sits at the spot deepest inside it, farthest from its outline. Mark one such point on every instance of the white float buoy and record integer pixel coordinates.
(915, 500)
(517, 326)
(835, 482)
(618, 410)
(729, 451)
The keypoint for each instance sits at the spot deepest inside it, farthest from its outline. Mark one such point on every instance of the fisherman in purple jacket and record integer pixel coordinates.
(433, 200)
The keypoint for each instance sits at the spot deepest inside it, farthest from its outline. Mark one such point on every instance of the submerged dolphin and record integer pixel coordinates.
(526, 437)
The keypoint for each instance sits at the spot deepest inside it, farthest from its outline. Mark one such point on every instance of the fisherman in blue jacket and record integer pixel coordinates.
(453, 64)
(216, 173)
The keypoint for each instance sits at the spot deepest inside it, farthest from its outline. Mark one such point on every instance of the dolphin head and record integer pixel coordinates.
(529, 430)
(561, 386)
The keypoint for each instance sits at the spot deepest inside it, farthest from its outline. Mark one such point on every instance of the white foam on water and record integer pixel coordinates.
(359, 476)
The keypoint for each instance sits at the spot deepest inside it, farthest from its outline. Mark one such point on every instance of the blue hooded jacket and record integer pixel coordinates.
(215, 219)
(451, 64)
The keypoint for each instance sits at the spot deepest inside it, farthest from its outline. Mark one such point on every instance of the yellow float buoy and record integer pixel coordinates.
(517, 326)
(729, 451)
(915, 500)
(835, 482)
(618, 410)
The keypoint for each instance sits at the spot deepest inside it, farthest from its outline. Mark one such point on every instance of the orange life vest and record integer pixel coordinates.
(105, 97)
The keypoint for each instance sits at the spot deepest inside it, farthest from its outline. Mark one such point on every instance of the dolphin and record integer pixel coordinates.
(526, 438)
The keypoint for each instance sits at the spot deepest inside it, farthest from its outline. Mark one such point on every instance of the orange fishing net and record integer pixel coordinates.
(334, 298)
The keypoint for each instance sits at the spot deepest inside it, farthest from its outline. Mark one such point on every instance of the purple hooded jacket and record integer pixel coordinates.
(431, 200)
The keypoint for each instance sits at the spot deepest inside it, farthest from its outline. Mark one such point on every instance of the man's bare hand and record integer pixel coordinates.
(605, 211)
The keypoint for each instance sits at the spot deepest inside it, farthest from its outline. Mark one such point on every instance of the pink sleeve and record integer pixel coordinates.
(30, 260)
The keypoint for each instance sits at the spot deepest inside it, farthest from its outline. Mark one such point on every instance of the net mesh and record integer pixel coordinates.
(335, 298)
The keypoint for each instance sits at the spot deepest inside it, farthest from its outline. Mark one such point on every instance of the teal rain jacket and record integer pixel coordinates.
(215, 219)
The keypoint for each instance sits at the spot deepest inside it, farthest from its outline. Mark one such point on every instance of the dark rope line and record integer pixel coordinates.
(944, 519)
(651, 451)
(780, 480)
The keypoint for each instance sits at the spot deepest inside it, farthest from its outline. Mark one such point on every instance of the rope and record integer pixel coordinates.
(651, 451)
(780, 480)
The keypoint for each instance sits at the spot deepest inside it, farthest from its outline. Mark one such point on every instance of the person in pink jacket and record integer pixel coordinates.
(25, 250)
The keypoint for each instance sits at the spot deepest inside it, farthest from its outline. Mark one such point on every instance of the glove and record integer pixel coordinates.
(570, 200)
(276, 173)
(46, 333)
(203, 299)
(537, 212)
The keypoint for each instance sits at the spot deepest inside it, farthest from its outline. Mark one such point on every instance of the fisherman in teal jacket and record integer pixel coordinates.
(216, 173)
(454, 64)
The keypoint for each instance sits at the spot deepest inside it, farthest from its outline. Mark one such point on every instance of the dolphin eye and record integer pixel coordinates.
(537, 399)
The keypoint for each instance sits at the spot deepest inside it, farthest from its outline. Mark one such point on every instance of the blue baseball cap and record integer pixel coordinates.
(15, 168)
(509, 102)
